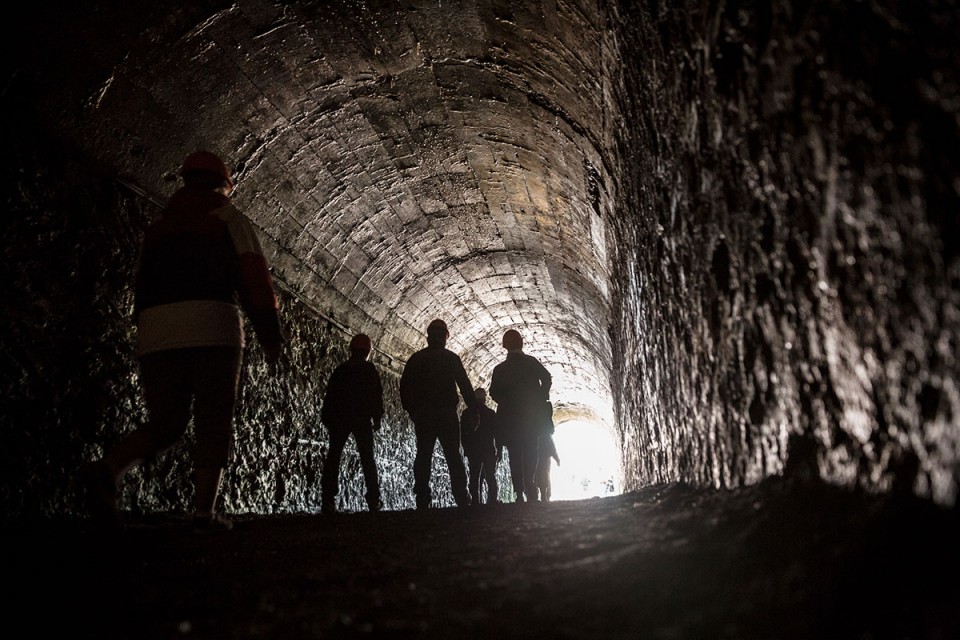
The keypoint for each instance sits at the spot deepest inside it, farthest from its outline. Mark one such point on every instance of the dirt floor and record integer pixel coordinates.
(669, 562)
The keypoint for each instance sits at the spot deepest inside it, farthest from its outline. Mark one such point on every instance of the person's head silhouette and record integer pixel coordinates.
(205, 170)
(360, 346)
(437, 333)
(512, 340)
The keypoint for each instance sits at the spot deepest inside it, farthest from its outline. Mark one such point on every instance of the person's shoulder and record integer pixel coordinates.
(229, 213)
(533, 360)
(335, 377)
(414, 358)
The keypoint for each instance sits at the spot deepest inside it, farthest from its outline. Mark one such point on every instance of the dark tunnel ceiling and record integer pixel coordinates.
(404, 160)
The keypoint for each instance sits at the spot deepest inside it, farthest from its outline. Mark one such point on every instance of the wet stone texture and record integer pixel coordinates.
(775, 561)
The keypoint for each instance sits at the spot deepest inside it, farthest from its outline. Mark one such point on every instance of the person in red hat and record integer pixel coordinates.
(428, 393)
(201, 268)
(352, 404)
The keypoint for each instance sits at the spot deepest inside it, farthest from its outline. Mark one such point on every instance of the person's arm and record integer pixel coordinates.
(329, 410)
(377, 399)
(546, 381)
(407, 386)
(494, 389)
(463, 382)
(469, 421)
(257, 295)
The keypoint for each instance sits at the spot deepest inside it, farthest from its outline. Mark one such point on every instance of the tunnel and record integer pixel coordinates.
(728, 230)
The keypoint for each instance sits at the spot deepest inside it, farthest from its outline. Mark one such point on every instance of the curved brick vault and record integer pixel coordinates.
(717, 227)
(403, 162)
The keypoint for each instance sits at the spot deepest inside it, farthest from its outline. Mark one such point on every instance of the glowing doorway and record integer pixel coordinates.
(589, 462)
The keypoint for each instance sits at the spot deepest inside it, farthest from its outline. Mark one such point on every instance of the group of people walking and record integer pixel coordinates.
(201, 269)
(431, 386)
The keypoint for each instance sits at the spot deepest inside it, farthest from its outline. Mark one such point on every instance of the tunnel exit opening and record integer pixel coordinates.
(589, 461)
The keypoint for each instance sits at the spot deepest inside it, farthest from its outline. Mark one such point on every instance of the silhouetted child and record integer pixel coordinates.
(478, 438)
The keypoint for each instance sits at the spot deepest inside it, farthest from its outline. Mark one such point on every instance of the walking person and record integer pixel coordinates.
(520, 385)
(478, 427)
(352, 404)
(200, 265)
(428, 393)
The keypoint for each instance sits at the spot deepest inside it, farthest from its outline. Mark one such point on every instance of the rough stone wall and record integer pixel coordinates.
(786, 248)
(69, 379)
(781, 187)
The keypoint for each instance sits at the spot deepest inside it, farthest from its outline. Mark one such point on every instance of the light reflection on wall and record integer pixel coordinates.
(589, 462)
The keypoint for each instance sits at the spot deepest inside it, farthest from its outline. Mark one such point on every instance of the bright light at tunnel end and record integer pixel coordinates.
(589, 462)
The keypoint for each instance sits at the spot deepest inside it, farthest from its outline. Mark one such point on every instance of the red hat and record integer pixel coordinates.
(361, 342)
(206, 161)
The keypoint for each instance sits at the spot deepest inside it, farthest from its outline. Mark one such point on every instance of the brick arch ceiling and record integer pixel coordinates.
(404, 160)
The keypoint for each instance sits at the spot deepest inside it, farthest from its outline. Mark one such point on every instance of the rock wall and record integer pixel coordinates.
(780, 187)
(69, 378)
(786, 244)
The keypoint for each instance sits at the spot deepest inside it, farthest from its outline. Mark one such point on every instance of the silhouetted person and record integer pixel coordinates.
(201, 263)
(547, 455)
(520, 386)
(428, 393)
(478, 428)
(352, 404)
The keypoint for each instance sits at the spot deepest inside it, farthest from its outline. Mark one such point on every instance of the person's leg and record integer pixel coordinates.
(167, 395)
(364, 437)
(330, 478)
(529, 456)
(422, 464)
(450, 444)
(474, 469)
(216, 375)
(515, 461)
(206, 489)
(490, 477)
(543, 477)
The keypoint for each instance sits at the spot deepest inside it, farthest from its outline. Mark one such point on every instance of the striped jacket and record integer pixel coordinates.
(201, 263)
